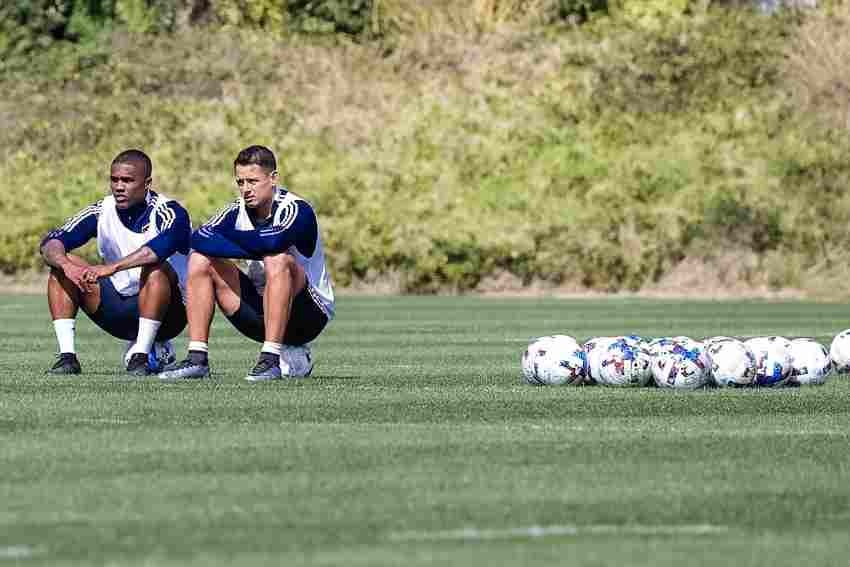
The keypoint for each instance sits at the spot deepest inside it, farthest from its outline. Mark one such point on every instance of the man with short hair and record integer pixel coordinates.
(284, 301)
(137, 293)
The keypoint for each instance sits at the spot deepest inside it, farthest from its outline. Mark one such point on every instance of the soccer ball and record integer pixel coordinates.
(718, 339)
(661, 345)
(624, 362)
(692, 348)
(593, 351)
(773, 360)
(731, 362)
(553, 361)
(678, 345)
(810, 362)
(682, 371)
(668, 345)
(160, 355)
(839, 352)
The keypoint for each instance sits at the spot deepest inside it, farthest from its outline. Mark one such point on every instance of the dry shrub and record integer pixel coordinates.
(818, 66)
(453, 16)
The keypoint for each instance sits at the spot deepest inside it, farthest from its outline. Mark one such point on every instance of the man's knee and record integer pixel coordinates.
(284, 267)
(56, 274)
(199, 265)
(280, 265)
(158, 274)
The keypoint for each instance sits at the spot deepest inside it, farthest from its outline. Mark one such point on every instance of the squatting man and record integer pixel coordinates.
(137, 293)
(286, 298)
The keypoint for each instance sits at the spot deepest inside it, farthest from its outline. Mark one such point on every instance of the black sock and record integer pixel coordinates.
(199, 357)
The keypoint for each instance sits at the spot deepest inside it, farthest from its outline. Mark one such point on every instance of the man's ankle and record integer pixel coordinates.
(269, 357)
(199, 357)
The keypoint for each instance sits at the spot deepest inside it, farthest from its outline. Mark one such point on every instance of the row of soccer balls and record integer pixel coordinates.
(682, 362)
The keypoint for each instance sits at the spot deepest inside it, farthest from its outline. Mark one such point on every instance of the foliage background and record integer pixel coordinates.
(583, 144)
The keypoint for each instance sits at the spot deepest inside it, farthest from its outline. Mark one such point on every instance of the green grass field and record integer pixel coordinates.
(416, 443)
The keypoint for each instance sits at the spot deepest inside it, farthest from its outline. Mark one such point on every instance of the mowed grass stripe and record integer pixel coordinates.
(417, 422)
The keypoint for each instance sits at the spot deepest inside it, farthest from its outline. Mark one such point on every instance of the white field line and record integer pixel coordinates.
(102, 421)
(476, 534)
(702, 433)
(17, 552)
(838, 516)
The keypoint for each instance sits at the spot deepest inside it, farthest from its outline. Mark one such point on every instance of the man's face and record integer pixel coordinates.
(128, 184)
(255, 185)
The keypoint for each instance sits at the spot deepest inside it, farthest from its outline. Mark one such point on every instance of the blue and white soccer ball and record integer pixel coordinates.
(678, 345)
(773, 360)
(731, 363)
(593, 350)
(160, 355)
(661, 345)
(554, 360)
(681, 370)
(716, 339)
(810, 363)
(839, 352)
(624, 362)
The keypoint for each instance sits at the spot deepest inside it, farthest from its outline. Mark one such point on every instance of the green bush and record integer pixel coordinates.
(599, 155)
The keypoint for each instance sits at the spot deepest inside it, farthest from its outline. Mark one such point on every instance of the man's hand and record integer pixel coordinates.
(94, 273)
(77, 275)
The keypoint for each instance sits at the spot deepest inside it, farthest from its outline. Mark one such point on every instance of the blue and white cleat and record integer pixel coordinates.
(296, 361)
(184, 370)
(161, 355)
(265, 370)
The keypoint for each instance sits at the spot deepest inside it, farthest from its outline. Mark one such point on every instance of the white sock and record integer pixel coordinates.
(148, 328)
(65, 334)
(199, 346)
(271, 348)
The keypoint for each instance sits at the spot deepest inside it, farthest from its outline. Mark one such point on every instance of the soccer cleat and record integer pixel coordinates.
(162, 354)
(186, 369)
(66, 364)
(296, 361)
(266, 369)
(138, 365)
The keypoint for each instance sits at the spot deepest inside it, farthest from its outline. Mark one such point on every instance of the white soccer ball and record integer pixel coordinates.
(553, 361)
(839, 352)
(810, 362)
(773, 360)
(731, 363)
(661, 345)
(667, 345)
(160, 355)
(717, 339)
(682, 371)
(624, 362)
(593, 350)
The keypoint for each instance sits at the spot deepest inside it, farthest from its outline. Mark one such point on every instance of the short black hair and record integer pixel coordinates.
(135, 156)
(257, 155)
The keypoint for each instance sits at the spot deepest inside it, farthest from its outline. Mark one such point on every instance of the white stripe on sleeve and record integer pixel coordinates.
(72, 222)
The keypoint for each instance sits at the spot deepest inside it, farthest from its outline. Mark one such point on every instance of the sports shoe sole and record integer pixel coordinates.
(193, 373)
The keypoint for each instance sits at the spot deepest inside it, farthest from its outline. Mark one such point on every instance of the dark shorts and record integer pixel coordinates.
(118, 314)
(306, 320)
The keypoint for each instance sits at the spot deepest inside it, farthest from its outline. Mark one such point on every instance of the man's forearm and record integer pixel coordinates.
(141, 257)
(54, 254)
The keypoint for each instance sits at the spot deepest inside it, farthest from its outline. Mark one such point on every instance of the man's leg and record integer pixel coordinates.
(155, 296)
(64, 300)
(285, 279)
(210, 281)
